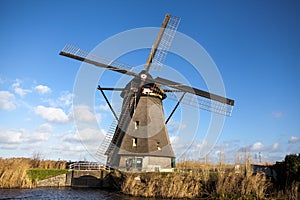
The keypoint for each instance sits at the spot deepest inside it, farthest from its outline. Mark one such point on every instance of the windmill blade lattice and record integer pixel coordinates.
(109, 143)
(194, 91)
(203, 103)
(74, 52)
(106, 143)
(100, 154)
(165, 43)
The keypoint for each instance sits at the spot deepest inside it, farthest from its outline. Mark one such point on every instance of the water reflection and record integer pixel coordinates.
(62, 193)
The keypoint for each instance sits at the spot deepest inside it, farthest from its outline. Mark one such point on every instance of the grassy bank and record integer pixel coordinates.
(37, 174)
(14, 171)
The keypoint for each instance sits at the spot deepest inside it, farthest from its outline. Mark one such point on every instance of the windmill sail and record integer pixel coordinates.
(165, 43)
(195, 91)
(74, 52)
(111, 139)
(202, 103)
(199, 98)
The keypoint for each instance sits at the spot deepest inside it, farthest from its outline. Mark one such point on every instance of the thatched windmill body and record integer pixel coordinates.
(140, 139)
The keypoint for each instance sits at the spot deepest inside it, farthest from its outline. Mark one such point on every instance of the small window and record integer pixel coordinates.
(134, 142)
(158, 146)
(136, 125)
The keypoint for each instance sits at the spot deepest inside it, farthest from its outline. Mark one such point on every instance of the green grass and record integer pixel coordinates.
(41, 174)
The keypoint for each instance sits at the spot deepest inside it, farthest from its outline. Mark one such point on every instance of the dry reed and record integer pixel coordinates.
(198, 180)
(13, 171)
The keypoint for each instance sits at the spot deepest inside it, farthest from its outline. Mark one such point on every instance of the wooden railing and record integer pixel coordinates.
(87, 166)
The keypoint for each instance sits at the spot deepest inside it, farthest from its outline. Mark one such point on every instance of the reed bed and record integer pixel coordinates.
(199, 180)
(13, 171)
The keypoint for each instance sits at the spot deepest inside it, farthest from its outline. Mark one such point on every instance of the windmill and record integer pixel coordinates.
(139, 139)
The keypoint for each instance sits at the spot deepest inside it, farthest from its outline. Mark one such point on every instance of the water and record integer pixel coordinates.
(62, 193)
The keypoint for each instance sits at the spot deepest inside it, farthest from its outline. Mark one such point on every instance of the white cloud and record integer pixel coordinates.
(257, 146)
(277, 114)
(9, 146)
(18, 90)
(87, 136)
(21, 139)
(7, 100)
(275, 146)
(42, 89)
(22, 92)
(44, 128)
(184, 147)
(175, 126)
(84, 140)
(174, 140)
(65, 99)
(70, 151)
(104, 107)
(11, 136)
(294, 145)
(293, 139)
(83, 113)
(21, 136)
(36, 137)
(71, 138)
(52, 114)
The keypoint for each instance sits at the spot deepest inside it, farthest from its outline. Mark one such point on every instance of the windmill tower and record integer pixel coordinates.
(140, 139)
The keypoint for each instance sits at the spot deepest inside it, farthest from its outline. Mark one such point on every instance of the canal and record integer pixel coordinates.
(64, 193)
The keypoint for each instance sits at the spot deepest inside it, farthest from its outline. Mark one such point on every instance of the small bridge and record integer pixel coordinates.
(84, 174)
(87, 174)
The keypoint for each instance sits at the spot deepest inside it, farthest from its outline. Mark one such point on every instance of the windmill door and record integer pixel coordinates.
(134, 163)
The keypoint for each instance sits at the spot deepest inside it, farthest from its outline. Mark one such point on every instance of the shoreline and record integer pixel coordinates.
(190, 180)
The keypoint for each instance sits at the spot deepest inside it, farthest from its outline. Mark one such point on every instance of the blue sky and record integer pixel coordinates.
(255, 45)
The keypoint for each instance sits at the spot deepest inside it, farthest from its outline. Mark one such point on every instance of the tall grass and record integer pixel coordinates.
(172, 185)
(232, 184)
(199, 180)
(13, 171)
